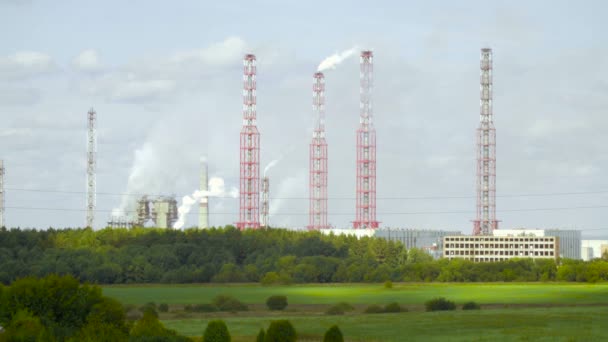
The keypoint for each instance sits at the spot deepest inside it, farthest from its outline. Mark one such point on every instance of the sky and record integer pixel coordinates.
(165, 79)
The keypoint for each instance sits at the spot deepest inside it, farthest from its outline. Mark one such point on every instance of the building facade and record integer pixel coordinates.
(500, 248)
(593, 249)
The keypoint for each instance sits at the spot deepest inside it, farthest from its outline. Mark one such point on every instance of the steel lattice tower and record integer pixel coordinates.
(486, 221)
(265, 202)
(91, 166)
(317, 215)
(366, 150)
(249, 213)
(1, 193)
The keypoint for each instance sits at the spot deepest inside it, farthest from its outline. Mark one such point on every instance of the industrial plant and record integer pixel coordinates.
(486, 242)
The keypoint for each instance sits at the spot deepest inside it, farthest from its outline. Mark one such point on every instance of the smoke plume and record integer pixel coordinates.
(216, 189)
(332, 61)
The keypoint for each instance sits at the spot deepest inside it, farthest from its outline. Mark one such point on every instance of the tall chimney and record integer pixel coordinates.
(203, 212)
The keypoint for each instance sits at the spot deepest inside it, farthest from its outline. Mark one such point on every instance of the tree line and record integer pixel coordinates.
(58, 308)
(268, 256)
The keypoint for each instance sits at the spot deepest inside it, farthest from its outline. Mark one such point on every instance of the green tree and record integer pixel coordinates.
(333, 334)
(24, 327)
(260, 337)
(216, 331)
(276, 302)
(280, 331)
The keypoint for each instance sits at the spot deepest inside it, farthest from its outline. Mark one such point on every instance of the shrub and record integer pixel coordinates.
(333, 335)
(188, 308)
(270, 278)
(388, 284)
(276, 302)
(345, 306)
(260, 337)
(393, 307)
(204, 308)
(470, 306)
(335, 310)
(228, 303)
(216, 331)
(439, 304)
(163, 307)
(374, 309)
(151, 307)
(280, 331)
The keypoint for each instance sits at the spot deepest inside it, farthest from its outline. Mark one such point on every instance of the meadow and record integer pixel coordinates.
(404, 293)
(510, 311)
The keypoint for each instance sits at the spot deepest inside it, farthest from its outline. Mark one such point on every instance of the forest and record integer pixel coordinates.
(267, 256)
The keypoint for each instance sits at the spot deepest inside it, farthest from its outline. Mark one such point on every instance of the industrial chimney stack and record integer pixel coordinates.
(203, 211)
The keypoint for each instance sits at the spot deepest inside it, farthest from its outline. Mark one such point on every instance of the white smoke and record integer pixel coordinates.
(217, 188)
(271, 165)
(332, 61)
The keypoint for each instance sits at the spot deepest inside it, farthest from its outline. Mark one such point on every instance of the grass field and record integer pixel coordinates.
(551, 324)
(491, 293)
(510, 311)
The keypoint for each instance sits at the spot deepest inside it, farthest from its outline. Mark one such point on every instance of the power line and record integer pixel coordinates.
(550, 194)
(348, 213)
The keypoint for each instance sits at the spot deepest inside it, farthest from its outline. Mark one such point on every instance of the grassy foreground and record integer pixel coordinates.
(484, 293)
(510, 311)
(530, 324)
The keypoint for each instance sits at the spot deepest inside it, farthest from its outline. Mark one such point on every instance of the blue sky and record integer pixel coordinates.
(165, 80)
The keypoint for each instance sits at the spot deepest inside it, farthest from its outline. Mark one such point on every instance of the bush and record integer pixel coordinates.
(388, 284)
(345, 306)
(276, 302)
(204, 308)
(270, 278)
(439, 304)
(280, 331)
(335, 310)
(470, 306)
(393, 307)
(261, 335)
(228, 303)
(163, 307)
(216, 331)
(333, 335)
(374, 309)
(151, 306)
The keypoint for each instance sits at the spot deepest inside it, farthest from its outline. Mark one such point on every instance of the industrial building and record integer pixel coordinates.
(499, 248)
(569, 240)
(593, 249)
(429, 240)
(161, 211)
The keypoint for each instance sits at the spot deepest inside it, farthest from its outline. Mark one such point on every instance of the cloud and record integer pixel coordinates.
(18, 96)
(155, 79)
(25, 64)
(224, 53)
(87, 61)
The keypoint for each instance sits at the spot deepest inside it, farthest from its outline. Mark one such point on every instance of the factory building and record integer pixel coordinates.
(500, 248)
(593, 249)
(569, 240)
(429, 240)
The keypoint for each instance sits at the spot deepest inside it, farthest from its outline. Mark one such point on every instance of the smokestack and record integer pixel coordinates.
(265, 202)
(1, 193)
(203, 212)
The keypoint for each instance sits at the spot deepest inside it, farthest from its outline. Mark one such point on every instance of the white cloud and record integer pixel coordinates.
(25, 64)
(224, 53)
(137, 90)
(87, 61)
(18, 96)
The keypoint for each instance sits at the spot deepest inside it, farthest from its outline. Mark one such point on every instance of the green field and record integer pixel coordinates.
(554, 324)
(510, 312)
(491, 293)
